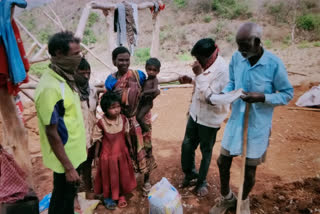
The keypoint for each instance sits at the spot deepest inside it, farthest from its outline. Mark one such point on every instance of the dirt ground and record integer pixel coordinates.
(289, 181)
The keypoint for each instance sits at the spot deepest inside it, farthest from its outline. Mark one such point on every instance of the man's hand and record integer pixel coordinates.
(72, 176)
(197, 69)
(253, 97)
(185, 80)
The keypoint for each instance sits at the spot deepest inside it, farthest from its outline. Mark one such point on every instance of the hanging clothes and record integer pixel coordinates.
(5, 81)
(126, 25)
(17, 72)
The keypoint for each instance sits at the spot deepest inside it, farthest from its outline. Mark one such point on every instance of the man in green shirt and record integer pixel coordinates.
(61, 126)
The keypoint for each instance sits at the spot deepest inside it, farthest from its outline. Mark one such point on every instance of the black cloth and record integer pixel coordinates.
(63, 195)
(197, 134)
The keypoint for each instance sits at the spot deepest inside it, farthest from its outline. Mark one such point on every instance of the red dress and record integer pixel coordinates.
(115, 175)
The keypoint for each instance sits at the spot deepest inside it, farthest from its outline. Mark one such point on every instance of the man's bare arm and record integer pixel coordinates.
(57, 147)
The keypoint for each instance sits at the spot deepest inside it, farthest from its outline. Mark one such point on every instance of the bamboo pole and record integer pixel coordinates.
(83, 21)
(33, 61)
(15, 139)
(243, 157)
(154, 51)
(32, 49)
(39, 53)
(28, 32)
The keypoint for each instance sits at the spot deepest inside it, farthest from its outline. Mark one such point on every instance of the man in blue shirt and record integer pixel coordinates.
(264, 79)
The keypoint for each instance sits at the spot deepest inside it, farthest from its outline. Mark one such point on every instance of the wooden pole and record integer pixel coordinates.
(15, 139)
(28, 32)
(154, 51)
(243, 158)
(40, 53)
(32, 49)
(83, 21)
(304, 109)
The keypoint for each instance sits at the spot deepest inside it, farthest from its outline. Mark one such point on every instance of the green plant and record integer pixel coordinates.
(316, 44)
(267, 43)
(180, 3)
(207, 18)
(286, 40)
(230, 38)
(39, 68)
(93, 18)
(279, 11)
(141, 55)
(230, 9)
(89, 37)
(44, 36)
(304, 44)
(185, 57)
(309, 22)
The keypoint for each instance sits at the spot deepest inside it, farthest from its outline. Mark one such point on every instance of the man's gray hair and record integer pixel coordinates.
(254, 30)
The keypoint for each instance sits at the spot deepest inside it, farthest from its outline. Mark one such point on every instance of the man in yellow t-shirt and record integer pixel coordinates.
(61, 126)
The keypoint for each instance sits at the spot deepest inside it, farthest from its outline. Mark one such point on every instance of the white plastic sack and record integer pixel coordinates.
(310, 98)
(164, 199)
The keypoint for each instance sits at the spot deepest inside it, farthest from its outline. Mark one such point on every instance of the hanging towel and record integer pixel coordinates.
(5, 81)
(121, 25)
(17, 71)
(126, 25)
(136, 23)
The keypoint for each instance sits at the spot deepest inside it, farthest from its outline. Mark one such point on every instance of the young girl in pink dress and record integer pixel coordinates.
(115, 174)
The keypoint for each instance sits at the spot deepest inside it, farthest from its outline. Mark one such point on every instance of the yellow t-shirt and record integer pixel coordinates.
(56, 103)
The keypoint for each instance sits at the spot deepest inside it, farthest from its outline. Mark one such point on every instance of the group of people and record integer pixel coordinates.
(73, 134)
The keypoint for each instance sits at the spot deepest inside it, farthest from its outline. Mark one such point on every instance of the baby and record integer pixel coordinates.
(149, 92)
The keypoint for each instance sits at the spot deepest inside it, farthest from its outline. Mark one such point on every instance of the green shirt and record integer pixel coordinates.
(57, 104)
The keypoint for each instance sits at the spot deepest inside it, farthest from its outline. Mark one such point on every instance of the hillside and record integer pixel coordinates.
(289, 181)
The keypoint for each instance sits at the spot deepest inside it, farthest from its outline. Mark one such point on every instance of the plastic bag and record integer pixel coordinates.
(45, 202)
(164, 199)
(87, 206)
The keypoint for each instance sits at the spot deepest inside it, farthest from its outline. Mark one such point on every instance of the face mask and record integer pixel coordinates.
(80, 79)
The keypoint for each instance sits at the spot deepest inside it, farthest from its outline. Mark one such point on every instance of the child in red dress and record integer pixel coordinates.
(115, 174)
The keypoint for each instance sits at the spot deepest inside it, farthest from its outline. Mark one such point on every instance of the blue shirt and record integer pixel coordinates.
(112, 80)
(267, 76)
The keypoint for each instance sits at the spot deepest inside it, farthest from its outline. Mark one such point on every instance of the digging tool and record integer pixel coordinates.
(243, 158)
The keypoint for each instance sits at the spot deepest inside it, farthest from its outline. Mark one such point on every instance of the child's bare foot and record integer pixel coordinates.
(122, 203)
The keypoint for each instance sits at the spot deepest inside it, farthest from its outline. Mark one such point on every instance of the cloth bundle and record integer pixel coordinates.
(126, 25)
(12, 179)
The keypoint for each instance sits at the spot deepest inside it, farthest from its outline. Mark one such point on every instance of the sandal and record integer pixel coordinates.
(110, 204)
(146, 188)
(201, 191)
(189, 180)
(122, 202)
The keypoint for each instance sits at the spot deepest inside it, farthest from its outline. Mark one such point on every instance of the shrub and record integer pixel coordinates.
(141, 55)
(230, 38)
(279, 11)
(89, 37)
(308, 22)
(316, 44)
(230, 9)
(93, 18)
(207, 18)
(180, 3)
(267, 43)
(44, 36)
(304, 44)
(39, 68)
(185, 57)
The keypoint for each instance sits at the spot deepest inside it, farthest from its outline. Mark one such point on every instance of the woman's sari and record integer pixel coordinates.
(129, 86)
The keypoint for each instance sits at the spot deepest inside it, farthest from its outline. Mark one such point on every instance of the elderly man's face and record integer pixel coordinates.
(248, 47)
